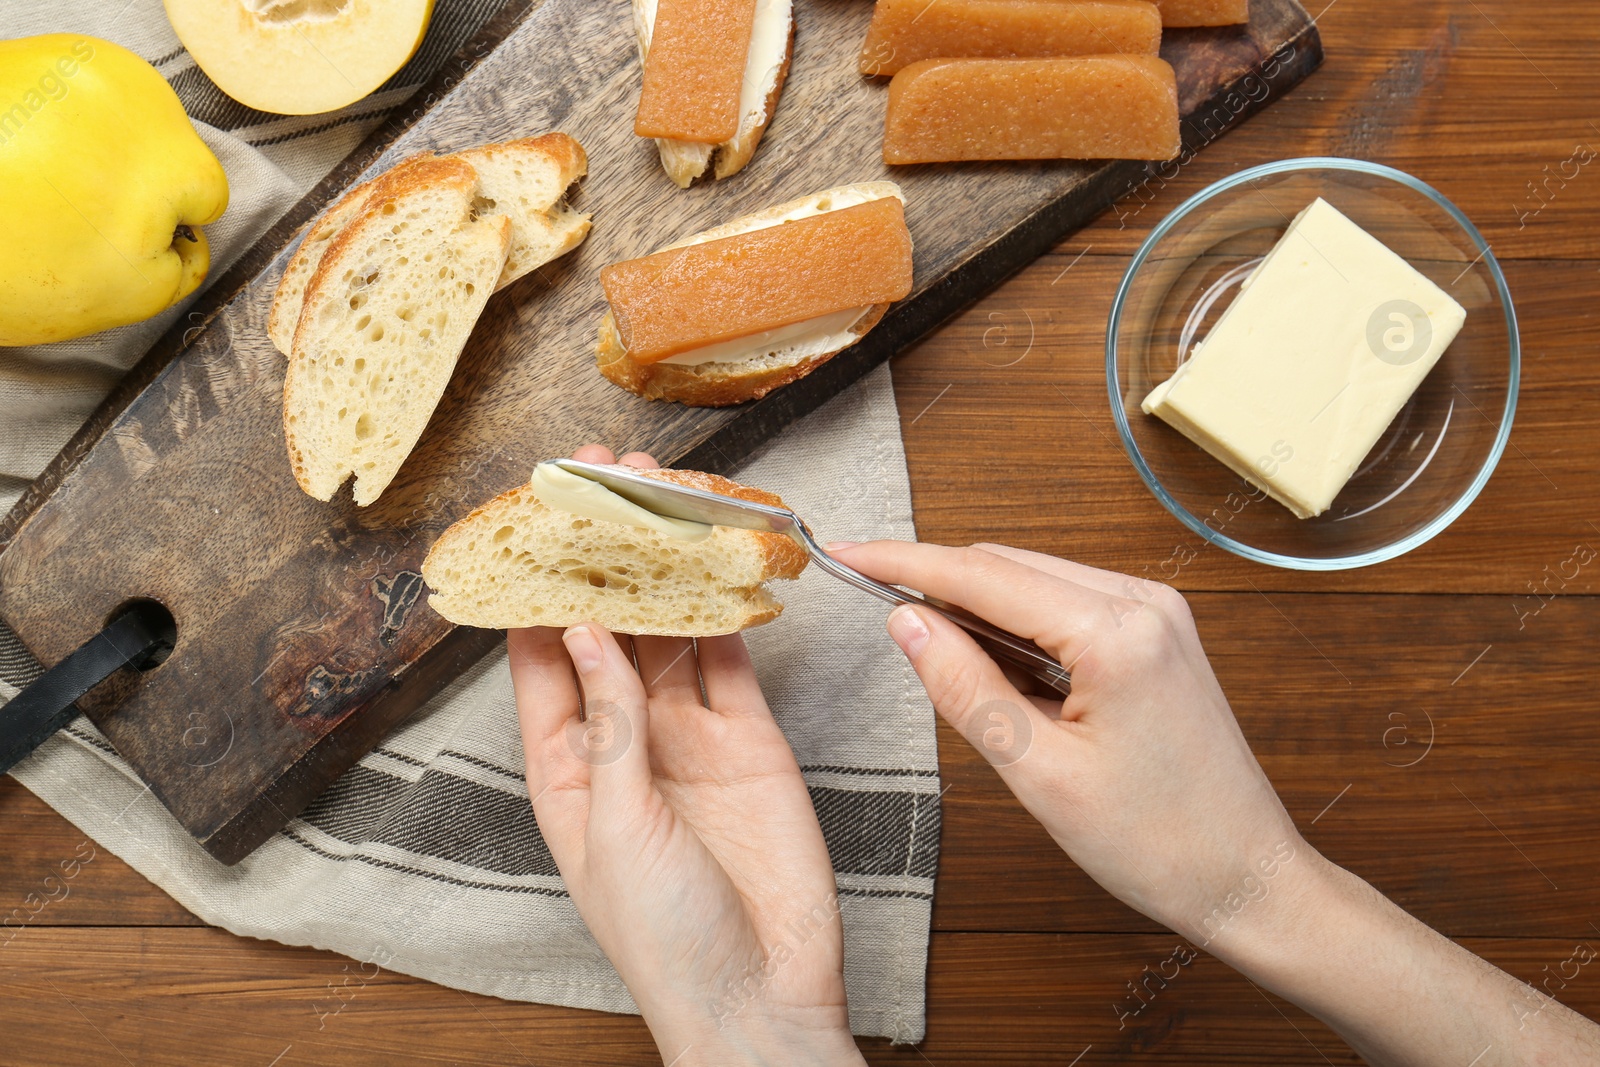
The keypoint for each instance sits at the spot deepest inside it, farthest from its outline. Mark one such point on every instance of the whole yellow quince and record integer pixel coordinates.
(104, 186)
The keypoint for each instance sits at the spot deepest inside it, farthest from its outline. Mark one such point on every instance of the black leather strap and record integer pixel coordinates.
(49, 703)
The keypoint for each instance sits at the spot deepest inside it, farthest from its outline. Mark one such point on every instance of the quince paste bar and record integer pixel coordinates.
(685, 298)
(694, 70)
(1092, 107)
(1203, 12)
(906, 31)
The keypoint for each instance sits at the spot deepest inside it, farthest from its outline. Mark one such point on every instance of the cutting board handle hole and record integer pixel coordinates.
(159, 620)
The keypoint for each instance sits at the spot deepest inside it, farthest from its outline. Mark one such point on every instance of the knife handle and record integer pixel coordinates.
(49, 702)
(1001, 644)
(1007, 647)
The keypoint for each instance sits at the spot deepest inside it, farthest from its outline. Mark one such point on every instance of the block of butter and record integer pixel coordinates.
(1326, 341)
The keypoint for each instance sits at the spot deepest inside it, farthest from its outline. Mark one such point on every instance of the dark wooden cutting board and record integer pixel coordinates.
(303, 631)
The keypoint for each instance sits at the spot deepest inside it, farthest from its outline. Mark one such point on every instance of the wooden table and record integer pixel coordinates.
(1339, 680)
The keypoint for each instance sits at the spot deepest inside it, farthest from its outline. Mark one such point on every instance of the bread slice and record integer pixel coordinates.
(516, 562)
(771, 48)
(286, 302)
(527, 181)
(386, 315)
(720, 384)
(524, 180)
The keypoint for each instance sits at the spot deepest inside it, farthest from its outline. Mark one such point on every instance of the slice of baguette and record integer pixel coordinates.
(516, 562)
(386, 316)
(525, 181)
(771, 48)
(723, 383)
(290, 295)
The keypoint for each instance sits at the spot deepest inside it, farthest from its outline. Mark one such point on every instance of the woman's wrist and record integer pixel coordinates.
(1275, 929)
(752, 1038)
(748, 1022)
(1395, 990)
(1334, 945)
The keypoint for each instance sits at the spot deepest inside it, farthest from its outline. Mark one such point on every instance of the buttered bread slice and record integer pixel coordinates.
(730, 314)
(713, 72)
(527, 558)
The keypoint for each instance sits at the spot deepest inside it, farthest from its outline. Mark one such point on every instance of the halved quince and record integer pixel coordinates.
(299, 57)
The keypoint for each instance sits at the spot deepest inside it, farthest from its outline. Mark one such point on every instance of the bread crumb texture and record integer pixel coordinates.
(385, 320)
(516, 562)
(382, 294)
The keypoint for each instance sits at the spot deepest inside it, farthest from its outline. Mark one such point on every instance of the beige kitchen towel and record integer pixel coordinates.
(425, 858)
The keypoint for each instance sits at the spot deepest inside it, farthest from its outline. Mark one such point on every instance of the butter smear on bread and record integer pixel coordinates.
(561, 490)
(554, 553)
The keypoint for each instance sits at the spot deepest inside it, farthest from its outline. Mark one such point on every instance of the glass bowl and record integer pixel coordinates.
(1440, 449)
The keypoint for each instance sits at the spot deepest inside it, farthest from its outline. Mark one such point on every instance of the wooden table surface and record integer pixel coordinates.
(1338, 680)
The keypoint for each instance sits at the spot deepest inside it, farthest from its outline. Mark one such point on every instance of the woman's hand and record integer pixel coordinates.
(686, 836)
(1142, 775)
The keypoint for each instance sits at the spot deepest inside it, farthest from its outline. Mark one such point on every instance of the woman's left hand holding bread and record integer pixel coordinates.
(686, 836)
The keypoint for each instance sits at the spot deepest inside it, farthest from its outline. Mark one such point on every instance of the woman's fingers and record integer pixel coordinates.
(547, 709)
(546, 691)
(612, 738)
(1108, 582)
(967, 688)
(1060, 615)
(602, 454)
(730, 678)
(668, 667)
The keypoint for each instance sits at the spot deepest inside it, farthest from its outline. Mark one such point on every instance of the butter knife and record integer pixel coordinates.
(697, 505)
